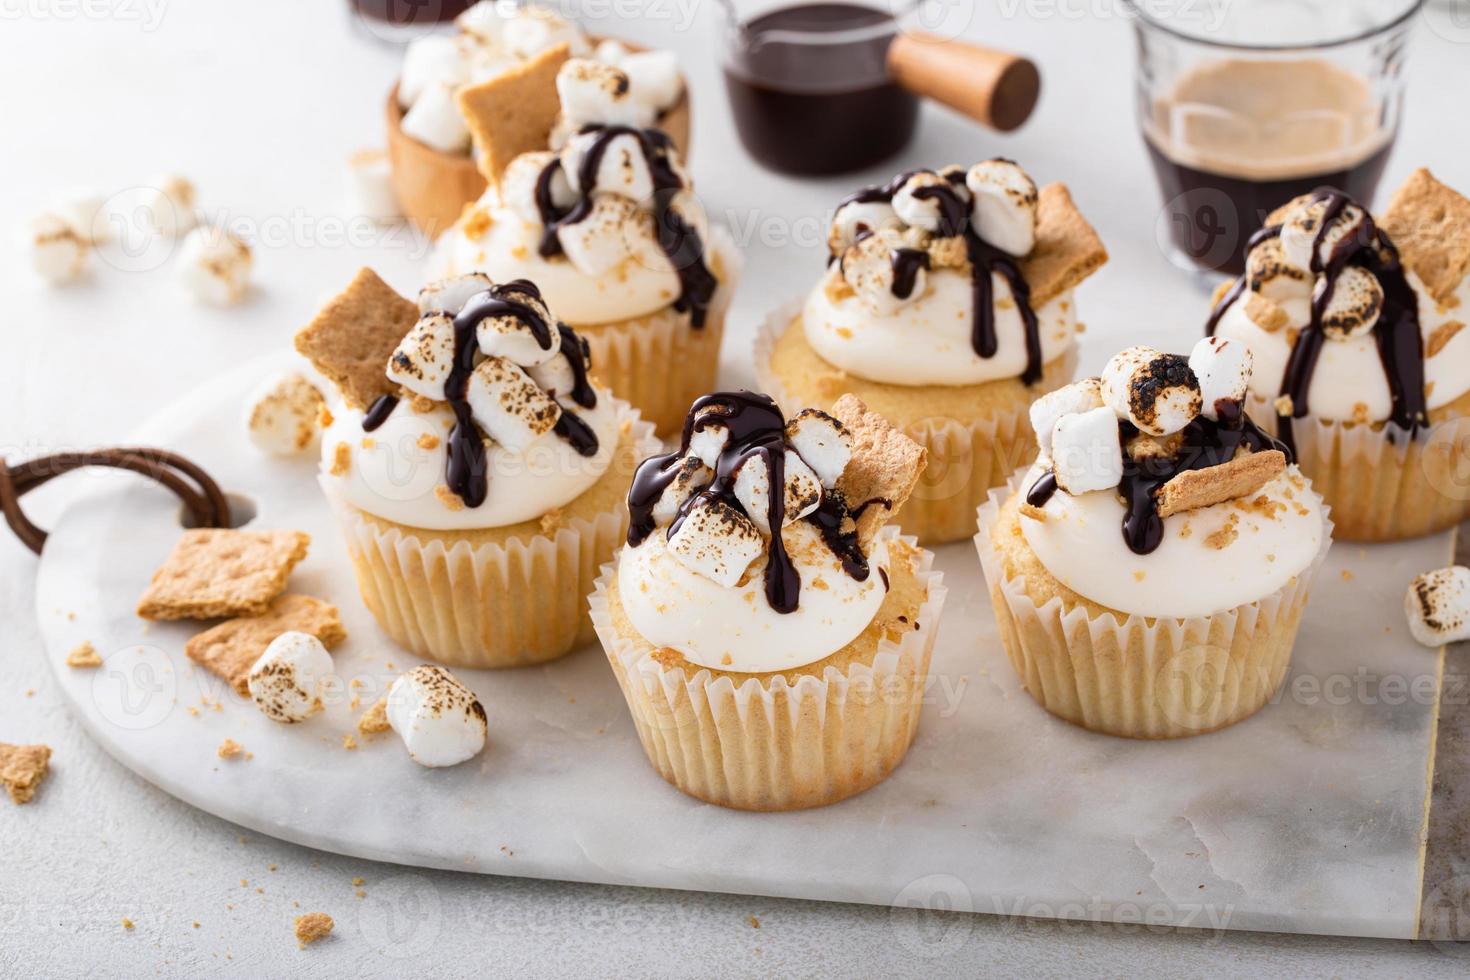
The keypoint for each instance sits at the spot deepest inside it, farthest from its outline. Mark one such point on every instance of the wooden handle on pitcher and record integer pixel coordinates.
(996, 88)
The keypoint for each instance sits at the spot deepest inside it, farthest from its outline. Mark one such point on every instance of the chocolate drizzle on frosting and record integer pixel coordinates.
(676, 238)
(1397, 333)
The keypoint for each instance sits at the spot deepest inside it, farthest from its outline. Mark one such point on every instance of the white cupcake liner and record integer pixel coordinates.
(490, 605)
(1144, 677)
(768, 744)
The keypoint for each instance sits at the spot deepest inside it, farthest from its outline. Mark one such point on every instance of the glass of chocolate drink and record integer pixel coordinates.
(1246, 104)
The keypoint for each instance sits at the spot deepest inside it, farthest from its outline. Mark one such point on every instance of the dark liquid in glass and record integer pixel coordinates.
(804, 108)
(411, 11)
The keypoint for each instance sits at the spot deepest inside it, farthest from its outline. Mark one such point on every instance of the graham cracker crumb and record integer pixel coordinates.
(22, 768)
(1139, 575)
(1224, 536)
(218, 572)
(83, 655)
(368, 442)
(1284, 406)
(551, 520)
(1347, 576)
(428, 441)
(1240, 477)
(354, 335)
(754, 922)
(1032, 511)
(127, 924)
(1266, 314)
(230, 749)
(1442, 335)
(477, 221)
(313, 926)
(349, 743)
(375, 719)
(324, 416)
(421, 404)
(448, 497)
(231, 648)
(341, 459)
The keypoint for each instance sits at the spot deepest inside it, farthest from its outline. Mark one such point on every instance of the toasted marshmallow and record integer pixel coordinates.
(508, 405)
(605, 238)
(286, 682)
(440, 720)
(706, 444)
(1438, 606)
(1156, 392)
(434, 59)
(369, 188)
(483, 20)
(1268, 273)
(594, 93)
(692, 477)
(1079, 396)
(803, 491)
(622, 170)
(518, 186)
(534, 29)
(654, 77)
(922, 211)
(717, 541)
(1223, 369)
(867, 266)
(282, 415)
(425, 356)
(435, 121)
(1299, 233)
(1356, 303)
(824, 445)
(511, 338)
(169, 205)
(554, 376)
(58, 253)
(214, 265)
(859, 218)
(1086, 453)
(450, 295)
(1003, 207)
(85, 212)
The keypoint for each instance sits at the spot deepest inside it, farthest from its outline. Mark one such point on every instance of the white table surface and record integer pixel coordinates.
(259, 103)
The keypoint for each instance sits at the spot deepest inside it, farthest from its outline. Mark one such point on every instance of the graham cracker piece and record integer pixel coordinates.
(1243, 475)
(22, 767)
(231, 648)
(313, 926)
(374, 719)
(1430, 225)
(351, 339)
(215, 572)
(885, 466)
(513, 112)
(84, 654)
(1067, 247)
(1265, 313)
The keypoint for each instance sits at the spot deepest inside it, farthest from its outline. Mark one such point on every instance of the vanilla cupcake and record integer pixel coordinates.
(948, 307)
(606, 223)
(1150, 569)
(1362, 359)
(476, 471)
(772, 670)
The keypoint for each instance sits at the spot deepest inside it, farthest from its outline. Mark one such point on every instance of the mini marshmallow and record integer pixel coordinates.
(1300, 232)
(369, 188)
(867, 266)
(803, 491)
(485, 66)
(692, 477)
(1223, 369)
(508, 405)
(604, 239)
(1268, 273)
(622, 170)
(706, 444)
(1156, 392)
(434, 59)
(1003, 208)
(425, 356)
(58, 253)
(440, 720)
(281, 416)
(214, 265)
(1438, 606)
(1357, 301)
(168, 202)
(518, 186)
(823, 444)
(511, 338)
(717, 541)
(85, 212)
(654, 76)
(554, 376)
(611, 52)
(534, 29)
(286, 682)
(450, 295)
(925, 212)
(594, 93)
(859, 218)
(1085, 452)
(435, 121)
(1079, 396)
(483, 20)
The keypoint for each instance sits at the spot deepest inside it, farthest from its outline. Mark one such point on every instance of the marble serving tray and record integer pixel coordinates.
(1309, 817)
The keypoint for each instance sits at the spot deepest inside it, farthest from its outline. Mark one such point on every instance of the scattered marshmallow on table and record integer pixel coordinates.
(1437, 605)
(169, 204)
(717, 541)
(370, 187)
(1223, 369)
(440, 720)
(1079, 396)
(1157, 392)
(283, 416)
(435, 120)
(1086, 453)
(214, 265)
(1003, 205)
(58, 253)
(85, 211)
(286, 682)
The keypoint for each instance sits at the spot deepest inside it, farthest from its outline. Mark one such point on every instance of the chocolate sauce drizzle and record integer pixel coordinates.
(985, 262)
(1205, 443)
(466, 473)
(757, 430)
(679, 241)
(1396, 334)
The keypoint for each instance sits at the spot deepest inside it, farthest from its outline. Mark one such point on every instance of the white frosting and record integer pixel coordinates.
(1081, 543)
(928, 341)
(1350, 372)
(734, 628)
(396, 478)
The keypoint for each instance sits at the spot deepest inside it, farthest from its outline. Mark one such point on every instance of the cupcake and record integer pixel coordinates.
(772, 670)
(607, 224)
(1362, 360)
(476, 471)
(496, 51)
(1150, 569)
(948, 307)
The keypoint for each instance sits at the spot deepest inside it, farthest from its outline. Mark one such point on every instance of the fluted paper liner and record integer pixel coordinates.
(1381, 485)
(770, 745)
(491, 605)
(966, 459)
(1144, 677)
